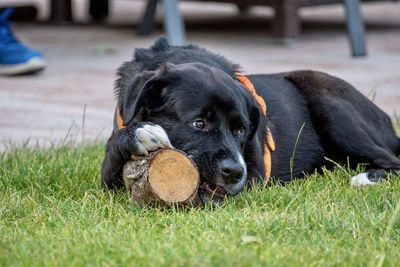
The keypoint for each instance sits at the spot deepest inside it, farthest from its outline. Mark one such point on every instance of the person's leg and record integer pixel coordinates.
(15, 57)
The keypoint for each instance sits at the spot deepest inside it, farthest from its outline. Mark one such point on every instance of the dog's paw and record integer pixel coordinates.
(361, 180)
(150, 137)
(368, 178)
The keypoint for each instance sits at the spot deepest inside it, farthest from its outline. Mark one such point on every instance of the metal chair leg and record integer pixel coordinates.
(355, 28)
(147, 23)
(173, 22)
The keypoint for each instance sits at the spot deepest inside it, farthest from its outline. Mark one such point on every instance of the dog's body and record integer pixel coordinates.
(194, 96)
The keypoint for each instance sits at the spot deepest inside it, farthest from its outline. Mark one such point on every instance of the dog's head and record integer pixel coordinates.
(206, 114)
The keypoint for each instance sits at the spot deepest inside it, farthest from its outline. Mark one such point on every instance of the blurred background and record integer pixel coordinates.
(84, 42)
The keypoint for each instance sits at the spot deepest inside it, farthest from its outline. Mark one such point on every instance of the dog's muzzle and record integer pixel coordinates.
(231, 182)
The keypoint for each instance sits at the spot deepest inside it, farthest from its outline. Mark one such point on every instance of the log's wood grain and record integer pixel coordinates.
(165, 177)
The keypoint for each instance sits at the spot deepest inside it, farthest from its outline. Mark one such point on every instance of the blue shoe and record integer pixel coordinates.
(15, 58)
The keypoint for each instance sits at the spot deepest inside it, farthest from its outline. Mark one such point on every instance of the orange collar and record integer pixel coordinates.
(269, 145)
(118, 120)
(249, 86)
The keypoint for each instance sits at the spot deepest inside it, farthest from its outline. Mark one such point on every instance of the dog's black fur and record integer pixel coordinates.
(176, 87)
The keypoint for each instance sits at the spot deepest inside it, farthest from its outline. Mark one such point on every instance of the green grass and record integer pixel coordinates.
(53, 212)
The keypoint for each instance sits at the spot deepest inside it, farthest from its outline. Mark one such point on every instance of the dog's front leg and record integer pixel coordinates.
(137, 138)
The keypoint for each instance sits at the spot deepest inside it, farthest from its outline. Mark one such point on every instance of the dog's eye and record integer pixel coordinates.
(241, 131)
(199, 124)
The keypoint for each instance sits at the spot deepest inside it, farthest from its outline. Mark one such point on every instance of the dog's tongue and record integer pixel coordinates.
(213, 189)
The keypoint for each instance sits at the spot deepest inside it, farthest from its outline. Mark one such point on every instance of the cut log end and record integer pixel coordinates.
(173, 177)
(166, 176)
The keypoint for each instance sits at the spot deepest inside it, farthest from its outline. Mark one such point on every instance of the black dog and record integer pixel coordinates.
(191, 98)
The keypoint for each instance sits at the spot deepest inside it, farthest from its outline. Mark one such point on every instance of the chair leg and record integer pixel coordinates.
(355, 28)
(146, 25)
(173, 22)
(61, 11)
(243, 8)
(99, 9)
(286, 23)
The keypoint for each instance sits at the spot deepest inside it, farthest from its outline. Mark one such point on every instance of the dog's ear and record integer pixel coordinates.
(254, 116)
(149, 96)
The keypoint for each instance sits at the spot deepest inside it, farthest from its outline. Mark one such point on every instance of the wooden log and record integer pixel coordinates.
(164, 177)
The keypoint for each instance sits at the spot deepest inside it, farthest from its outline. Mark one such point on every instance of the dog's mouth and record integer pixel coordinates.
(212, 192)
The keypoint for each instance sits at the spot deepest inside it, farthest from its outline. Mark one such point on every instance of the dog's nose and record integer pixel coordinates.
(231, 171)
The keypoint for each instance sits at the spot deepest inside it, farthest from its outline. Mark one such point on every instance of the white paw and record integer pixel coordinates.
(361, 180)
(150, 138)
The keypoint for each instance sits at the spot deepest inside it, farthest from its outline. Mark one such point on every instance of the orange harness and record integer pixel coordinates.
(269, 145)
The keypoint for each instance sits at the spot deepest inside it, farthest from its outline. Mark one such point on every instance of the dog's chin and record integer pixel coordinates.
(216, 194)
